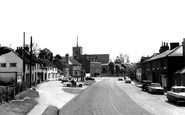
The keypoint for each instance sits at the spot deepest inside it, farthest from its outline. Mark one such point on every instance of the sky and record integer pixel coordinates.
(133, 27)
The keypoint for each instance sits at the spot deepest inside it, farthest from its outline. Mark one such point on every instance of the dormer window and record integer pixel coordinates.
(2, 65)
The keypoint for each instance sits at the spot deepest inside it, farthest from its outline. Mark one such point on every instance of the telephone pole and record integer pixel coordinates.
(31, 62)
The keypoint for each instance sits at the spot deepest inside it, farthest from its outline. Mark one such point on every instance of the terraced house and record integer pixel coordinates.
(162, 67)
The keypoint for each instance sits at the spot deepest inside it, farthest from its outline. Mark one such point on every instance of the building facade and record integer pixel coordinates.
(161, 67)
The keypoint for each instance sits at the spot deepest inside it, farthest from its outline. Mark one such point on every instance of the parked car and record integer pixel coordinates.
(89, 78)
(145, 84)
(65, 80)
(127, 80)
(120, 79)
(155, 88)
(73, 83)
(176, 94)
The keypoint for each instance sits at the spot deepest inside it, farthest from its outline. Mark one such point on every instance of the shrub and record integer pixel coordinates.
(27, 93)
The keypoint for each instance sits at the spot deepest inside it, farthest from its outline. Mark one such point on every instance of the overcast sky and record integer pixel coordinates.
(133, 27)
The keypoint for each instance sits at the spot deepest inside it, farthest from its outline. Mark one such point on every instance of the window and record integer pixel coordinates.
(13, 64)
(2, 65)
(28, 67)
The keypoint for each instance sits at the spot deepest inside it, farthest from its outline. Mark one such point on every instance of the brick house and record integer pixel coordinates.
(161, 67)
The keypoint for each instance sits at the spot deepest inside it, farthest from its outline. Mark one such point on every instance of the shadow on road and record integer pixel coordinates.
(72, 90)
(175, 104)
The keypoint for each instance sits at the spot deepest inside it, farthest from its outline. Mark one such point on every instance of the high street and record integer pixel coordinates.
(103, 98)
(113, 97)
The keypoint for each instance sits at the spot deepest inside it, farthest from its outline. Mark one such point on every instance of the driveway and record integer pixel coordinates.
(53, 93)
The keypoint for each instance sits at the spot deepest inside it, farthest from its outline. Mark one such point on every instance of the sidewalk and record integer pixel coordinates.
(137, 83)
(51, 93)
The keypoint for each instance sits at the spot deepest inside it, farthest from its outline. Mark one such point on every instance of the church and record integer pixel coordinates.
(95, 64)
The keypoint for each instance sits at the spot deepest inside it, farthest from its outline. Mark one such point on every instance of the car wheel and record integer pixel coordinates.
(169, 100)
(152, 91)
(178, 102)
(80, 85)
(68, 85)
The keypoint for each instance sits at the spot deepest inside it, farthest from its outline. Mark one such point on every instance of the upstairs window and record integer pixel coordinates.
(2, 65)
(13, 64)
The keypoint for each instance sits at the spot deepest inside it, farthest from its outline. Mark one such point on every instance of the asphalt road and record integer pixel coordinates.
(103, 98)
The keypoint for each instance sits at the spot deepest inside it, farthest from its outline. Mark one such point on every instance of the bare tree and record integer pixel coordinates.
(124, 58)
(36, 49)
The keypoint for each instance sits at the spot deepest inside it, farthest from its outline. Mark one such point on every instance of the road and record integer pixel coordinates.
(155, 104)
(106, 97)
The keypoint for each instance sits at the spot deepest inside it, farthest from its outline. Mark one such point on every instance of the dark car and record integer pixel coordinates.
(127, 80)
(89, 78)
(145, 85)
(120, 79)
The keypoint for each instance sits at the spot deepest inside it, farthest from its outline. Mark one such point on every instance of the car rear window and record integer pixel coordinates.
(155, 85)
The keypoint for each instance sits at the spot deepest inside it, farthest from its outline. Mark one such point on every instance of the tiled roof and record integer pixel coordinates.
(168, 53)
(4, 50)
(48, 63)
(103, 58)
(59, 64)
(74, 62)
(181, 71)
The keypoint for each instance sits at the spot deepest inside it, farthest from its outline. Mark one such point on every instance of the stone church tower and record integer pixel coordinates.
(77, 51)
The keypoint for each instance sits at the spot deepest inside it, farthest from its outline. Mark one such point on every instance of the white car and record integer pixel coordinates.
(73, 84)
(176, 94)
(155, 88)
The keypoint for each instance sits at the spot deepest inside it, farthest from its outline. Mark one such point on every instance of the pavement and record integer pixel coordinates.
(136, 83)
(53, 93)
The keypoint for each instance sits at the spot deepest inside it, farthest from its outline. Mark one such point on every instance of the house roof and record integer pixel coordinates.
(4, 50)
(168, 53)
(74, 62)
(103, 58)
(47, 62)
(181, 71)
(59, 64)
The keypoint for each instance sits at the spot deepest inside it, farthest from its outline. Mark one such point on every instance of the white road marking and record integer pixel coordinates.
(112, 102)
(114, 106)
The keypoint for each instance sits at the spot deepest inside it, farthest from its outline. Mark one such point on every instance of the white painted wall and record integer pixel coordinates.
(8, 58)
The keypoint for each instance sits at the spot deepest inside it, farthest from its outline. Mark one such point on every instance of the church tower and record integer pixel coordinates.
(77, 51)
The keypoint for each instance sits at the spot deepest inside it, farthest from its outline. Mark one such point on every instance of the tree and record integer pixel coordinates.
(124, 58)
(36, 49)
(117, 60)
(46, 54)
(122, 71)
(58, 56)
(131, 71)
(118, 69)
(111, 67)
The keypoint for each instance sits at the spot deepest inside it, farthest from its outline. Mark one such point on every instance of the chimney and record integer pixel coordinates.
(19, 51)
(27, 47)
(164, 47)
(173, 45)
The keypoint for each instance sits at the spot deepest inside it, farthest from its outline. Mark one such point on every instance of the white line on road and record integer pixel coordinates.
(112, 102)
(114, 106)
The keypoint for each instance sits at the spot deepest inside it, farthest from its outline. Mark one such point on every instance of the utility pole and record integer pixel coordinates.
(31, 62)
(23, 57)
